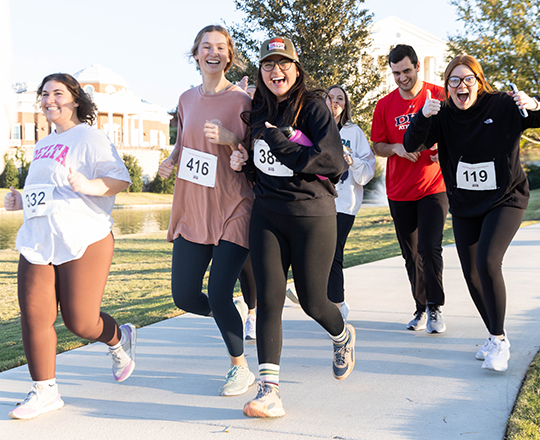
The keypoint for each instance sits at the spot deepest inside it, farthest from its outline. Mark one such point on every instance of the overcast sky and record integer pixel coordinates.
(146, 42)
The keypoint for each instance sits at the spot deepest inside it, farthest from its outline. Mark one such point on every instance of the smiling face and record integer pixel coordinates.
(279, 81)
(335, 100)
(58, 106)
(213, 53)
(406, 76)
(463, 96)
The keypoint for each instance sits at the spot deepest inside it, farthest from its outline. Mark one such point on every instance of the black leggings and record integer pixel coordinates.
(481, 244)
(308, 244)
(189, 264)
(336, 292)
(419, 228)
(247, 284)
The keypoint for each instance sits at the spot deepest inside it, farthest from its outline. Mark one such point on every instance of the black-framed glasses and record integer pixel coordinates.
(455, 81)
(284, 64)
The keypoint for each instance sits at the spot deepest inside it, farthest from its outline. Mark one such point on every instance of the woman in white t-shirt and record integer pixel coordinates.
(65, 242)
(350, 188)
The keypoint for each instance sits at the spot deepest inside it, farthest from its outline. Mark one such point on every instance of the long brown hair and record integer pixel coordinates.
(474, 65)
(345, 116)
(265, 102)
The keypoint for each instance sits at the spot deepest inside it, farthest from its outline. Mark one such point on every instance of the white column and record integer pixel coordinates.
(133, 140)
(111, 130)
(141, 132)
(125, 129)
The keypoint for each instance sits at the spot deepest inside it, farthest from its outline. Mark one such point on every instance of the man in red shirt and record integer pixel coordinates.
(415, 188)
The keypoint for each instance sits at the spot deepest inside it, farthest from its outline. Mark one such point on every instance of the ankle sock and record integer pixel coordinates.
(269, 373)
(342, 338)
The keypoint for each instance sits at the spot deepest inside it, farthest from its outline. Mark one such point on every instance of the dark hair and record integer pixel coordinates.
(233, 55)
(401, 51)
(87, 109)
(265, 102)
(345, 116)
(473, 64)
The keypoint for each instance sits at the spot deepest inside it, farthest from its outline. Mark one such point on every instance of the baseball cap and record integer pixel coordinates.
(278, 46)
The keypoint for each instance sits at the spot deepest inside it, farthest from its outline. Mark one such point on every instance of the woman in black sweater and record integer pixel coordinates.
(478, 133)
(293, 221)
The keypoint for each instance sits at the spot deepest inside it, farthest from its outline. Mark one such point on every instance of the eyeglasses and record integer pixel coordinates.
(284, 64)
(455, 81)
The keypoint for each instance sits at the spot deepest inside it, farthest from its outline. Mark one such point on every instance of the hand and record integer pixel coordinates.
(435, 158)
(243, 83)
(399, 149)
(13, 200)
(78, 182)
(238, 158)
(268, 125)
(524, 101)
(348, 158)
(165, 168)
(431, 106)
(219, 135)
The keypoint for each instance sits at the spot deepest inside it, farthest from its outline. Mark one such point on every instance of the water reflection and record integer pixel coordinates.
(126, 221)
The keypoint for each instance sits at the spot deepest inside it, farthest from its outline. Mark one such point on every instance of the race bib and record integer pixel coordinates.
(476, 176)
(198, 167)
(38, 200)
(268, 163)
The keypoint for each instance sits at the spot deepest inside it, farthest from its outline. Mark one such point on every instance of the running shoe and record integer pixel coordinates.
(497, 355)
(344, 309)
(249, 328)
(237, 381)
(418, 322)
(40, 400)
(344, 355)
(124, 356)
(483, 350)
(291, 294)
(435, 323)
(267, 403)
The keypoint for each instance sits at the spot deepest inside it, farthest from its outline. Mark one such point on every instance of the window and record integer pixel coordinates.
(16, 132)
(29, 132)
(90, 90)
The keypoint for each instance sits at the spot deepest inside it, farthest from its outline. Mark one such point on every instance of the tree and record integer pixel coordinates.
(331, 38)
(504, 36)
(135, 173)
(160, 185)
(10, 176)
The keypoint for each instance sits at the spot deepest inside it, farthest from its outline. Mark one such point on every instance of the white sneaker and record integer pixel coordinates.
(483, 350)
(124, 356)
(242, 308)
(237, 381)
(40, 400)
(249, 328)
(291, 294)
(344, 309)
(497, 355)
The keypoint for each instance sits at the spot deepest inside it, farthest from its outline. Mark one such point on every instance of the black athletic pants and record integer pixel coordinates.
(307, 244)
(481, 244)
(336, 291)
(419, 228)
(189, 263)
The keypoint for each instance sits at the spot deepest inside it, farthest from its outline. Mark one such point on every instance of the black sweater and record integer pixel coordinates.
(488, 131)
(303, 194)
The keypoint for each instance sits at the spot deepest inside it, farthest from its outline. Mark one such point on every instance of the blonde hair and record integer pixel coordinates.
(233, 55)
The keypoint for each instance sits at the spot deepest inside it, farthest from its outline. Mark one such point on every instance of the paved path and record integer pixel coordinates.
(406, 385)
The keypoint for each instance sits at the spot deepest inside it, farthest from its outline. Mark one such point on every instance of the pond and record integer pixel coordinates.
(126, 221)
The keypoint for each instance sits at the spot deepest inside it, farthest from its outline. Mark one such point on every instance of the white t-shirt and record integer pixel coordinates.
(350, 188)
(75, 220)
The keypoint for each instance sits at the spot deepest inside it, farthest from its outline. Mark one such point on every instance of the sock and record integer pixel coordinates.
(342, 338)
(269, 373)
(47, 384)
(123, 340)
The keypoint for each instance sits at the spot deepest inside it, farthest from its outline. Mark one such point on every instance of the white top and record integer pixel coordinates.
(75, 220)
(350, 188)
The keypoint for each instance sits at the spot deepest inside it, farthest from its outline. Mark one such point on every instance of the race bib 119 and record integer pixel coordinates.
(476, 176)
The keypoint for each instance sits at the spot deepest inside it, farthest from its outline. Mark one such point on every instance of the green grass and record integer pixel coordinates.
(138, 291)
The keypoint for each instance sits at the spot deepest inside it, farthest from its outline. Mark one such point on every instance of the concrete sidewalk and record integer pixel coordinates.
(406, 385)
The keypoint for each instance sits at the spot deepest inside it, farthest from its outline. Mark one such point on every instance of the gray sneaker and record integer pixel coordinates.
(344, 355)
(418, 322)
(237, 381)
(124, 356)
(435, 323)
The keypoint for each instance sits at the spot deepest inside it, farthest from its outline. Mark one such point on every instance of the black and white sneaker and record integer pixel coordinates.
(418, 322)
(435, 323)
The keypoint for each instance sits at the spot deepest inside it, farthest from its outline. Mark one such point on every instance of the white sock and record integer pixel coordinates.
(47, 384)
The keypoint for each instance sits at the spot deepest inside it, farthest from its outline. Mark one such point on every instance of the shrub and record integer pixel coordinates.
(135, 173)
(10, 176)
(160, 185)
(533, 175)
